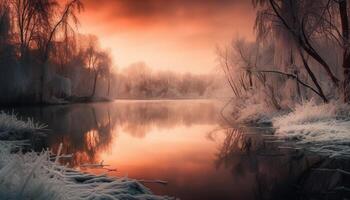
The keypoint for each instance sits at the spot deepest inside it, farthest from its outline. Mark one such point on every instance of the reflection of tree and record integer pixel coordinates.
(140, 118)
(83, 129)
(86, 129)
(92, 138)
(270, 171)
(97, 139)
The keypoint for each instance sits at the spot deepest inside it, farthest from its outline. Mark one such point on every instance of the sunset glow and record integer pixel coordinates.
(174, 99)
(177, 35)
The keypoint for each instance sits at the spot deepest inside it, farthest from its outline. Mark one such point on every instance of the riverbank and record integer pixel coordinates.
(25, 174)
(57, 101)
(78, 100)
(317, 127)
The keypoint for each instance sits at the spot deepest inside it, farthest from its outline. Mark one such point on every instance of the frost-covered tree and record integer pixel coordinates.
(38, 25)
(306, 25)
(97, 61)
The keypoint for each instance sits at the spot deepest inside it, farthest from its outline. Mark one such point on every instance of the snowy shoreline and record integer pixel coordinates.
(319, 128)
(33, 175)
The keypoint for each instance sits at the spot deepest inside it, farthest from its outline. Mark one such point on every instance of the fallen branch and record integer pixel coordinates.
(97, 165)
(110, 169)
(153, 181)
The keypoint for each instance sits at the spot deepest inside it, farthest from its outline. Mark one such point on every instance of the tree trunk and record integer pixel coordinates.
(313, 77)
(41, 90)
(250, 79)
(346, 54)
(300, 98)
(303, 40)
(43, 83)
(346, 84)
(109, 84)
(94, 87)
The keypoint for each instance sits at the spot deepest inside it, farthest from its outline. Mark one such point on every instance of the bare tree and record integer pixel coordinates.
(97, 61)
(311, 20)
(5, 25)
(65, 17)
(40, 23)
(345, 38)
(30, 16)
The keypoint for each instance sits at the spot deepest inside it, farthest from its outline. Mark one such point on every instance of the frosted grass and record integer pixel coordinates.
(321, 128)
(11, 127)
(324, 128)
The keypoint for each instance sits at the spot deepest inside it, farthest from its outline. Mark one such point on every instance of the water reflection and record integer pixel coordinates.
(267, 169)
(89, 129)
(173, 141)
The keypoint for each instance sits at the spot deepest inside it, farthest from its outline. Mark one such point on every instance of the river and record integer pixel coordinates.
(182, 142)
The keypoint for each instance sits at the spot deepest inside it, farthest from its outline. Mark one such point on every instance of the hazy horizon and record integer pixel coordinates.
(177, 35)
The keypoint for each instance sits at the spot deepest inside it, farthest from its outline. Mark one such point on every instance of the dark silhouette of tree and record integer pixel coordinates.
(97, 61)
(307, 23)
(37, 26)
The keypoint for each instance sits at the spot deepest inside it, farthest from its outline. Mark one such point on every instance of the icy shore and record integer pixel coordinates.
(318, 127)
(38, 176)
(323, 128)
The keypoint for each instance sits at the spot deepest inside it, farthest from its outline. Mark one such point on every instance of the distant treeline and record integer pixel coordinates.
(140, 81)
(43, 59)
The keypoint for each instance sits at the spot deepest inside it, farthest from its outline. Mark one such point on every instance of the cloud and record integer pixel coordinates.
(176, 34)
(153, 12)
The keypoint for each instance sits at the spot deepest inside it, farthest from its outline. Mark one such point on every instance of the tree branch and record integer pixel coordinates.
(291, 76)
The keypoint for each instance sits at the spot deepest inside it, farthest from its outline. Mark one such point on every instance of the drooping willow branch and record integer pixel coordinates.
(293, 77)
(313, 77)
(303, 40)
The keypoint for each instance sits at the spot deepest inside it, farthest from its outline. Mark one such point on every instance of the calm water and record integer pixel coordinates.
(181, 142)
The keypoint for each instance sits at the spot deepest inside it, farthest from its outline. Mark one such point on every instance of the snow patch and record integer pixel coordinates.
(325, 126)
(250, 109)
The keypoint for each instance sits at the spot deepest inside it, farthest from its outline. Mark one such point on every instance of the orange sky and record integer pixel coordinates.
(179, 35)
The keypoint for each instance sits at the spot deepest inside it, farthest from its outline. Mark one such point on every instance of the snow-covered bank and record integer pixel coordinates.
(324, 127)
(11, 127)
(316, 123)
(250, 109)
(321, 128)
(34, 175)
